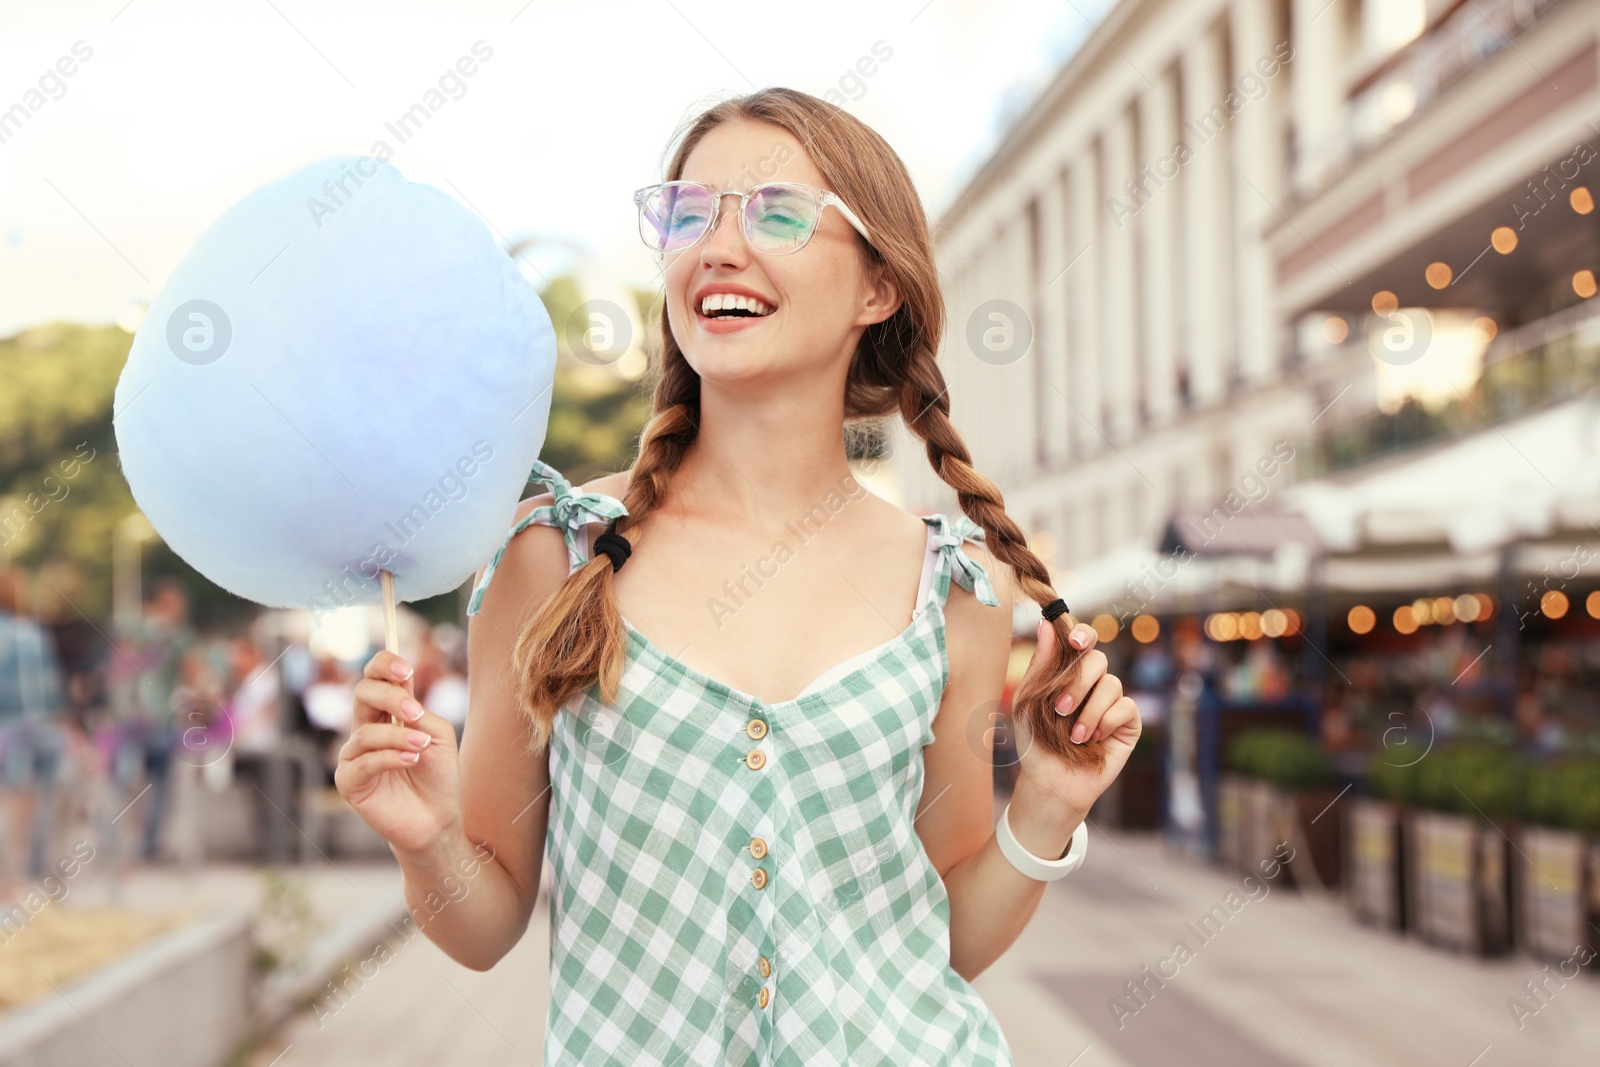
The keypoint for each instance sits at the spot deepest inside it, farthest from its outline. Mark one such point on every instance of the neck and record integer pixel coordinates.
(762, 461)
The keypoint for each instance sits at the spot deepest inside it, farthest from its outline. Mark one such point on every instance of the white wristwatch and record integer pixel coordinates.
(1036, 867)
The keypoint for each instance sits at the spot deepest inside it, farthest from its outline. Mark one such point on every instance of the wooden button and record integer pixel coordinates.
(766, 967)
(756, 728)
(758, 878)
(765, 996)
(758, 848)
(756, 758)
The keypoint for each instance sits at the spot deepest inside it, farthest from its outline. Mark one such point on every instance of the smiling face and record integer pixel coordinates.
(812, 305)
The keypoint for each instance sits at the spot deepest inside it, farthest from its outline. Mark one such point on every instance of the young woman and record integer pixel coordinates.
(749, 720)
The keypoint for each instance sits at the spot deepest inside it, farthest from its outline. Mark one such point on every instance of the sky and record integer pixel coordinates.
(175, 109)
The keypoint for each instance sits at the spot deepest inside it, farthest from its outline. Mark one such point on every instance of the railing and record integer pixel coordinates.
(1525, 370)
(1422, 71)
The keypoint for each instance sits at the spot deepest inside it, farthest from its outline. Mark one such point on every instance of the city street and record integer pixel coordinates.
(1284, 981)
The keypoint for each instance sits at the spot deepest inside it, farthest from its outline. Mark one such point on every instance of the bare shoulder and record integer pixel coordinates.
(612, 485)
(970, 624)
(535, 563)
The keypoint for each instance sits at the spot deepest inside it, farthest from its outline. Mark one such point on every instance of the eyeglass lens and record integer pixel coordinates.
(777, 218)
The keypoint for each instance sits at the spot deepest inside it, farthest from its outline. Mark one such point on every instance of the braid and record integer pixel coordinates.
(577, 639)
(925, 405)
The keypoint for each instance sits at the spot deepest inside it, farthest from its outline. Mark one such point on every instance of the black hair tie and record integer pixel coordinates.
(1055, 609)
(613, 545)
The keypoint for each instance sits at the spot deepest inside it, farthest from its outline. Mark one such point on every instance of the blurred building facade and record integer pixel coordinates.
(1358, 233)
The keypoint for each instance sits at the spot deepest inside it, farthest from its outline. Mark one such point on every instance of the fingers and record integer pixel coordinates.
(1107, 693)
(374, 697)
(387, 667)
(378, 736)
(354, 776)
(1082, 636)
(1092, 667)
(1122, 718)
(386, 686)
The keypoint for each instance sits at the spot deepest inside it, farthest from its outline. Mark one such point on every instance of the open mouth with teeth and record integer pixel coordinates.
(731, 306)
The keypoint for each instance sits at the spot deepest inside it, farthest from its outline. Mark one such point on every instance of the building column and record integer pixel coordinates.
(1159, 264)
(1010, 425)
(1258, 47)
(1083, 282)
(1206, 259)
(1319, 45)
(1050, 320)
(1120, 333)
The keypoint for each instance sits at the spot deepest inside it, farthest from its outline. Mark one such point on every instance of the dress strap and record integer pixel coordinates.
(947, 536)
(570, 511)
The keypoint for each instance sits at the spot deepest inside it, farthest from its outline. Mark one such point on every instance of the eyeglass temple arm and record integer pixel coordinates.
(850, 216)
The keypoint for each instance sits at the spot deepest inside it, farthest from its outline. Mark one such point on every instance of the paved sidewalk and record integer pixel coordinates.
(1285, 981)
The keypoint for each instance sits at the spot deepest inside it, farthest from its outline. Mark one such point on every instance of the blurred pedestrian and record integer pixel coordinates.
(147, 664)
(447, 691)
(31, 701)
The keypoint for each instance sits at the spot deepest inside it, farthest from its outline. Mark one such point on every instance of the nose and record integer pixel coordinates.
(725, 241)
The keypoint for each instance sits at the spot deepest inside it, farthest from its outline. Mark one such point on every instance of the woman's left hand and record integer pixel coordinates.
(1108, 718)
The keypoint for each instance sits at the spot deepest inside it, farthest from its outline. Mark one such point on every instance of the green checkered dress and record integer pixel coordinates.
(736, 882)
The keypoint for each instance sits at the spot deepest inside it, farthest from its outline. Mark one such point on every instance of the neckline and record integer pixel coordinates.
(873, 656)
(927, 604)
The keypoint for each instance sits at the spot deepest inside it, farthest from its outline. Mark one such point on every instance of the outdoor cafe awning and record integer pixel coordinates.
(1519, 480)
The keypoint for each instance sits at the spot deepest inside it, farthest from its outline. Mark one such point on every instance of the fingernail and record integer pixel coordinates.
(411, 709)
(1064, 705)
(418, 739)
(410, 757)
(1077, 734)
(400, 669)
(1079, 639)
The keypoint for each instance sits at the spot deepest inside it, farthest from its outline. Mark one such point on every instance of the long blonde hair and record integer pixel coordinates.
(577, 637)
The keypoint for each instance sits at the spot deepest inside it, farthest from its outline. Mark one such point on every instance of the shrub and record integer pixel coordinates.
(1285, 757)
(1474, 779)
(1566, 794)
(1397, 781)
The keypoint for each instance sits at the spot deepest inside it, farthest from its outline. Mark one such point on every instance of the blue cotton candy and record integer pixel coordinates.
(365, 383)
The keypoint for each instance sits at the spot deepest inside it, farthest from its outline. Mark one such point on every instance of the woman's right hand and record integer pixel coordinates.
(408, 793)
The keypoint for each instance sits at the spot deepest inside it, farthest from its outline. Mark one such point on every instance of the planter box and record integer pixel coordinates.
(1553, 891)
(1320, 831)
(1460, 895)
(183, 1000)
(1259, 838)
(1256, 818)
(1230, 819)
(1375, 862)
(1133, 799)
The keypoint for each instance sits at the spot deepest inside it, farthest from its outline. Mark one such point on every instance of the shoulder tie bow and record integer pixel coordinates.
(948, 536)
(569, 511)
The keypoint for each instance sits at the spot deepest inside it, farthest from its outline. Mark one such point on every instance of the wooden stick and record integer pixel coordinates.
(391, 629)
(391, 635)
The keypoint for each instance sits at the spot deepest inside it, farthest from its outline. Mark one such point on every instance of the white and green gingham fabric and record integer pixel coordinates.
(712, 906)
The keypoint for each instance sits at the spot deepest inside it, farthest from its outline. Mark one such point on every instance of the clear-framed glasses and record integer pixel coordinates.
(776, 218)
